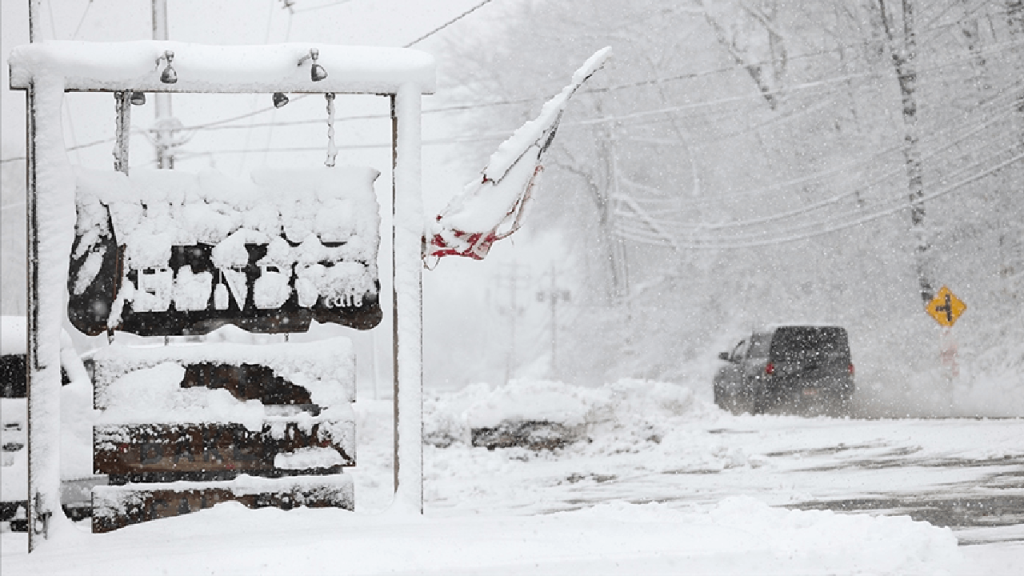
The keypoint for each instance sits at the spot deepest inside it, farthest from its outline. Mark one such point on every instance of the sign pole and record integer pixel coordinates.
(407, 293)
(946, 309)
(33, 313)
(32, 327)
(948, 352)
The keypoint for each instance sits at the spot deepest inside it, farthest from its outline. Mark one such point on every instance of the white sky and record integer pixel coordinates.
(90, 117)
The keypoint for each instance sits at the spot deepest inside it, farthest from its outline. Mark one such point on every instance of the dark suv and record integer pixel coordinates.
(801, 369)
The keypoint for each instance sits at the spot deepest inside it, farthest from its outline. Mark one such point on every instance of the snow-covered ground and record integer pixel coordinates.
(659, 482)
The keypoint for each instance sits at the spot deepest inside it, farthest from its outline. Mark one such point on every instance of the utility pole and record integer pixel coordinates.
(34, 22)
(553, 295)
(165, 123)
(510, 279)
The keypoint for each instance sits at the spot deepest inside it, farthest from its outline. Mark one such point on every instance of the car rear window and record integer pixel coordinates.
(759, 345)
(801, 342)
(13, 383)
(12, 376)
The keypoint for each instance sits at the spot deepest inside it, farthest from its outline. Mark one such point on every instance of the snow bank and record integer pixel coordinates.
(740, 536)
(622, 411)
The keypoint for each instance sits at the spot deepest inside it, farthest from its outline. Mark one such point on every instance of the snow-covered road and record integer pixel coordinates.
(967, 474)
(659, 482)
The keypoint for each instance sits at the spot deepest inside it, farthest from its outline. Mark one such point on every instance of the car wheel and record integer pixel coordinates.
(757, 406)
(755, 400)
(762, 401)
(844, 407)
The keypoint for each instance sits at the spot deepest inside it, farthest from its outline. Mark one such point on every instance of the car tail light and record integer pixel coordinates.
(769, 369)
(850, 368)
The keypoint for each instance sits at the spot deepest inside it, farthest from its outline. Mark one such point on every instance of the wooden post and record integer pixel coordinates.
(32, 230)
(407, 268)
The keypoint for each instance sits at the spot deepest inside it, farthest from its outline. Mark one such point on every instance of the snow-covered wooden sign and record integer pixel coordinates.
(168, 252)
(46, 71)
(179, 426)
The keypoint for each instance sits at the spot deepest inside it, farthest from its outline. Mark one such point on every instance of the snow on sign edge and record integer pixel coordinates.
(223, 69)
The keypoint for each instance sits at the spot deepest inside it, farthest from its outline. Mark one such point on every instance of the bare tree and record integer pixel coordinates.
(903, 51)
(754, 41)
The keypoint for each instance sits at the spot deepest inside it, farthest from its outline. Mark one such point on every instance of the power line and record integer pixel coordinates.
(223, 124)
(696, 105)
(463, 107)
(999, 114)
(80, 20)
(447, 24)
(634, 116)
(315, 8)
(794, 234)
(884, 177)
(220, 125)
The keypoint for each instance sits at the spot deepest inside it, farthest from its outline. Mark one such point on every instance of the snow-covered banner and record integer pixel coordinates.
(492, 208)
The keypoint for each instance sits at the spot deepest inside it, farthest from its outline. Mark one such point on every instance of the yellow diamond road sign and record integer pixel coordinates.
(945, 307)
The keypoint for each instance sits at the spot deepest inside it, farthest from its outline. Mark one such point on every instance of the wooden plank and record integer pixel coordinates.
(246, 382)
(119, 506)
(159, 450)
(248, 371)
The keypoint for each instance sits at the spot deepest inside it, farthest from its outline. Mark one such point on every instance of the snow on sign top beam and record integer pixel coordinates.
(116, 66)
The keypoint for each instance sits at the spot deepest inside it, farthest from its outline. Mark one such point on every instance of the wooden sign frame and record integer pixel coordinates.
(47, 71)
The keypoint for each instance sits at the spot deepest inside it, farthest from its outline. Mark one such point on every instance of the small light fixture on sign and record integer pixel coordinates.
(168, 76)
(137, 98)
(280, 99)
(316, 71)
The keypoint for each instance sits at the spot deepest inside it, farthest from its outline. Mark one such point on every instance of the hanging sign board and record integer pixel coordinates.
(217, 450)
(164, 253)
(119, 506)
(945, 308)
(167, 453)
(218, 417)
